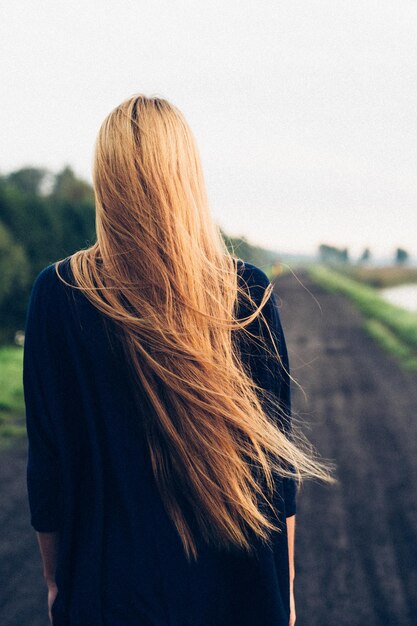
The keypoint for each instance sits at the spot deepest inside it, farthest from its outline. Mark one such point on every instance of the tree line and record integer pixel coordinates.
(333, 254)
(43, 217)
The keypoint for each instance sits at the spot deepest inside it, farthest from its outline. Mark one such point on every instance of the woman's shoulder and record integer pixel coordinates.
(49, 291)
(55, 280)
(254, 282)
(254, 278)
(47, 279)
(48, 275)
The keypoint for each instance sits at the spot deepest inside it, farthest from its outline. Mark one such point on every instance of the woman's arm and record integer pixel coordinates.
(291, 543)
(49, 546)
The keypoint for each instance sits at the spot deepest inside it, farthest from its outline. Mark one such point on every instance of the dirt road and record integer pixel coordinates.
(356, 543)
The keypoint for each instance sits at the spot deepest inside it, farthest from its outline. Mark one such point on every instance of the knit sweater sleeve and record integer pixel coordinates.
(41, 385)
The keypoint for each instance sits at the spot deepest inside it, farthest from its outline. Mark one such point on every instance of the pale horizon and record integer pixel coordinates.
(304, 113)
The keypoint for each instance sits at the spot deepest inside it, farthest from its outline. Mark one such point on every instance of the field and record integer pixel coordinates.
(11, 395)
(394, 328)
(382, 276)
(356, 542)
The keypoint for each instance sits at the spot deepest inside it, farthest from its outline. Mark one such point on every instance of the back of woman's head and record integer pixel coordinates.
(151, 198)
(162, 273)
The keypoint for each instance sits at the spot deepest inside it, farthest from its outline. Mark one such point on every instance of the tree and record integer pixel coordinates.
(28, 180)
(401, 256)
(15, 275)
(68, 187)
(37, 229)
(331, 254)
(365, 256)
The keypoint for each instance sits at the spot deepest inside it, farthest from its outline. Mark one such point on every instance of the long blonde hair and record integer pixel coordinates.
(162, 272)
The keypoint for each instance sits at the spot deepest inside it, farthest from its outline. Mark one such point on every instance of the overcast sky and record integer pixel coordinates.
(305, 112)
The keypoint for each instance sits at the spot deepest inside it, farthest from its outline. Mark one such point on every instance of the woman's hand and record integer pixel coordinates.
(291, 541)
(48, 545)
(52, 594)
(292, 606)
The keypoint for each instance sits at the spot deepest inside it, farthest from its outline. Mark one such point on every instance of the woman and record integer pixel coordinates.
(163, 464)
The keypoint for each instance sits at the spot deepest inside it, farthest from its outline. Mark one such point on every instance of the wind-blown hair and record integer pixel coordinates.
(162, 272)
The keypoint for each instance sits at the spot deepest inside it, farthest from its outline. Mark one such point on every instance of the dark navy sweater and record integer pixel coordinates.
(121, 562)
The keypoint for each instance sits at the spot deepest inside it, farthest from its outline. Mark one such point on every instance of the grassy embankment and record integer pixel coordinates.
(395, 329)
(12, 411)
(381, 277)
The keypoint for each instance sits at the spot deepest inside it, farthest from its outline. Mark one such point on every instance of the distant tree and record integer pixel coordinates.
(28, 180)
(68, 187)
(331, 254)
(38, 228)
(13, 264)
(15, 276)
(365, 256)
(31, 222)
(243, 249)
(401, 256)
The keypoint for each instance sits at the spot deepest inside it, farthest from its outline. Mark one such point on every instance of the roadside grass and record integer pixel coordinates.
(395, 329)
(12, 408)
